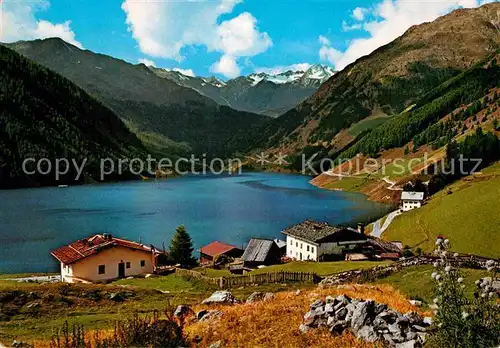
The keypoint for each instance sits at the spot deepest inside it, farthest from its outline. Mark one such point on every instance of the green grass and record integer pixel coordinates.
(366, 124)
(172, 283)
(320, 268)
(468, 217)
(416, 281)
(350, 184)
(214, 273)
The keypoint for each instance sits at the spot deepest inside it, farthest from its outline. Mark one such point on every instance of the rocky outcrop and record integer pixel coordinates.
(259, 296)
(461, 261)
(368, 320)
(221, 297)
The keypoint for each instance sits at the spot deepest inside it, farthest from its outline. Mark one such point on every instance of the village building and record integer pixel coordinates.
(316, 241)
(411, 200)
(261, 252)
(209, 252)
(102, 258)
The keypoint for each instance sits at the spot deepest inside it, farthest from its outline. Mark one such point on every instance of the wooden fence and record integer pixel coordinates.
(251, 279)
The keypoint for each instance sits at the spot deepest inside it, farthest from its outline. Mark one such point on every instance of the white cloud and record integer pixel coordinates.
(351, 27)
(226, 66)
(324, 41)
(164, 28)
(187, 72)
(283, 68)
(359, 13)
(328, 53)
(147, 62)
(392, 19)
(20, 23)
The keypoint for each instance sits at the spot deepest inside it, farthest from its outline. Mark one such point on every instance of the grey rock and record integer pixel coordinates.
(201, 314)
(331, 321)
(330, 299)
(422, 337)
(413, 318)
(304, 328)
(341, 313)
(211, 315)
(297, 293)
(379, 308)
(317, 304)
(389, 316)
(379, 324)
(428, 321)
(329, 308)
(310, 317)
(394, 328)
(221, 297)
(419, 328)
(259, 296)
(182, 311)
(339, 327)
(350, 311)
(410, 335)
(338, 306)
(408, 344)
(361, 314)
(367, 333)
(343, 299)
(117, 297)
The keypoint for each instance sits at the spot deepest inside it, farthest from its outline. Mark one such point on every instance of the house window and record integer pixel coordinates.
(127, 265)
(301, 245)
(291, 242)
(297, 244)
(101, 269)
(308, 248)
(312, 249)
(143, 263)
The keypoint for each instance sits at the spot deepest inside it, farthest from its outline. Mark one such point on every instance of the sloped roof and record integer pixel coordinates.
(257, 250)
(280, 243)
(216, 248)
(412, 196)
(86, 247)
(316, 231)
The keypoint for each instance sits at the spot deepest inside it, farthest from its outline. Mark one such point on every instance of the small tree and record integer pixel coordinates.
(181, 247)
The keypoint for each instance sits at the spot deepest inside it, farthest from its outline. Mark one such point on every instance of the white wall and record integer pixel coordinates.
(66, 273)
(410, 205)
(295, 248)
(88, 268)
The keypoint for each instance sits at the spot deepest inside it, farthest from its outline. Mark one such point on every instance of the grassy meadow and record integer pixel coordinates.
(466, 212)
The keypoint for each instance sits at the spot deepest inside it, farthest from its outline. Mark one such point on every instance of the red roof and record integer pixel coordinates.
(92, 245)
(390, 256)
(216, 248)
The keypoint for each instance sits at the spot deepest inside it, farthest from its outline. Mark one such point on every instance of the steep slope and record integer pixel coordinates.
(389, 80)
(43, 115)
(148, 103)
(262, 93)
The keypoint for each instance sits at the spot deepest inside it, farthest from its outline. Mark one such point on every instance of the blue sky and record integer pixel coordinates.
(223, 37)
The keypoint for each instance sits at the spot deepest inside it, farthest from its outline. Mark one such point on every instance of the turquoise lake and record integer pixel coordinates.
(231, 209)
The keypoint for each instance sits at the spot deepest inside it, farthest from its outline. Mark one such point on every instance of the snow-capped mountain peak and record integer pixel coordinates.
(314, 76)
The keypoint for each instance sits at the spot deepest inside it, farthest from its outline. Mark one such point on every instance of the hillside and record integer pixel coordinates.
(166, 115)
(43, 115)
(465, 212)
(388, 81)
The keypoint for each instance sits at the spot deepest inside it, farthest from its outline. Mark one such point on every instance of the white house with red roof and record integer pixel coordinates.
(102, 258)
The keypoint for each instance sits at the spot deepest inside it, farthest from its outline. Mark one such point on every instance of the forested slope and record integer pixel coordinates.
(44, 115)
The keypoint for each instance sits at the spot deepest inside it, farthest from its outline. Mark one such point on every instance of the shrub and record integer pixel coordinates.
(149, 331)
(462, 321)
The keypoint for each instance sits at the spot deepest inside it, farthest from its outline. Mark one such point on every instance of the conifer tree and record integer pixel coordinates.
(181, 247)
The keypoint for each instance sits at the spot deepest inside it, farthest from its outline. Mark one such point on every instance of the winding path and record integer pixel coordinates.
(377, 230)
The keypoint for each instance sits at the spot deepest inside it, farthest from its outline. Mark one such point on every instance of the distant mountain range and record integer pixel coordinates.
(261, 93)
(169, 118)
(385, 83)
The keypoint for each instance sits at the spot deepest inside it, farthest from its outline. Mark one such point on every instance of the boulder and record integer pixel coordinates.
(329, 308)
(201, 314)
(339, 326)
(310, 317)
(317, 304)
(367, 333)
(211, 315)
(361, 314)
(259, 296)
(341, 313)
(221, 297)
(183, 311)
(304, 328)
